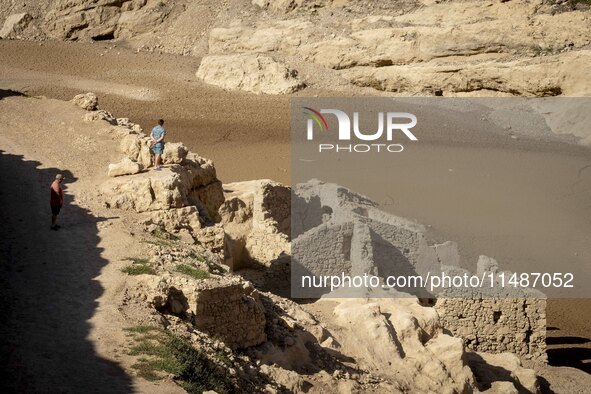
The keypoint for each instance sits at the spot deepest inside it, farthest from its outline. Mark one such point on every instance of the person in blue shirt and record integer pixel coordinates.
(157, 135)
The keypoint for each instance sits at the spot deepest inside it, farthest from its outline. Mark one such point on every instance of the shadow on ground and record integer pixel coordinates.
(9, 93)
(48, 289)
(563, 352)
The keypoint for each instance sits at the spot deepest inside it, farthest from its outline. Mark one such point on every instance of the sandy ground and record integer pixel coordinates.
(61, 331)
(248, 137)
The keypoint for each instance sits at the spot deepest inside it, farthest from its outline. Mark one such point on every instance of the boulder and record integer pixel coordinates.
(100, 115)
(200, 170)
(174, 153)
(137, 147)
(149, 191)
(125, 122)
(249, 72)
(175, 186)
(204, 189)
(125, 167)
(14, 25)
(87, 101)
(176, 219)
(489, 368)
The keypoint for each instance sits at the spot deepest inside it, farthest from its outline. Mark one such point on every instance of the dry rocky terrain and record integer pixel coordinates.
(192, 246)
(178, 308)
(407, 47)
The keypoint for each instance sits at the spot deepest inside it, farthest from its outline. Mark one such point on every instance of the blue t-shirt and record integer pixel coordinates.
(158, 132)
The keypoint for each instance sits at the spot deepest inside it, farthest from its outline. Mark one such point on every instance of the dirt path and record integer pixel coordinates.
(61, 331)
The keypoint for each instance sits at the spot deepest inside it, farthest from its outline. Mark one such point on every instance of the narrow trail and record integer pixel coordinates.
(61, 330)
(49, 290)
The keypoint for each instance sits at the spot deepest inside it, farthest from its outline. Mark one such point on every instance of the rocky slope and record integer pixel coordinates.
(163, 232)
(518, 47)
(198, 235)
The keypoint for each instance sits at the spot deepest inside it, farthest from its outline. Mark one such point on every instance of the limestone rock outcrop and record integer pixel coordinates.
(173, 220)
(434, 48)
(491, 369)
(15, 25)
(100, 115)
(125, 167)
(256, 218)
(103, 19)
(405, 47)
(533, 77)
(149, 191)
(228, 309)
(137, 148)
(250, 72)
(395, 344)
(174, 153)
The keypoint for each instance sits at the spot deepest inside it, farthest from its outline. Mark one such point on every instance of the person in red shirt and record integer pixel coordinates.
(56, 200)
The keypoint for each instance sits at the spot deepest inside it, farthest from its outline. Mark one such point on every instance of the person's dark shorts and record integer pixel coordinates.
(55, 210)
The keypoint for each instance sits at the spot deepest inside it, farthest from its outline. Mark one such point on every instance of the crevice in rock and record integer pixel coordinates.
(104, 37)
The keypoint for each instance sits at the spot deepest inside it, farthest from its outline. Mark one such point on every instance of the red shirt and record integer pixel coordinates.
(57, 194)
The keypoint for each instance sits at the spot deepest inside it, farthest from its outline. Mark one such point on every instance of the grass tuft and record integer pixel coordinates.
(141, 329)
(138, 269)
(137, 260)
(139, 266)
(165, 353)
(162, 238)
(193, 272)
(211, 266)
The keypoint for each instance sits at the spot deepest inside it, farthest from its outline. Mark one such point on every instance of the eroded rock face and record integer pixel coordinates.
(434, 48)
(491, 369)
(15, 25)
(228, 309)
(174, 153)
(536, 77)
(173, 220)
(252, 73)
(256, 217)
(149, 191)
(404, 340)
(87, 101)
(102, 19)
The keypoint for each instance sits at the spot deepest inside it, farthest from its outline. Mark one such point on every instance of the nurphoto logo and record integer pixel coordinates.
(395, 123)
